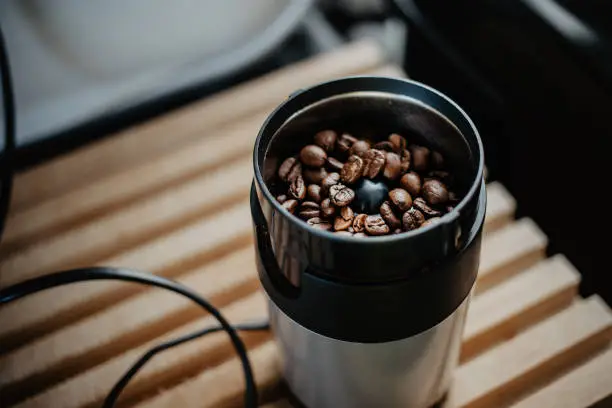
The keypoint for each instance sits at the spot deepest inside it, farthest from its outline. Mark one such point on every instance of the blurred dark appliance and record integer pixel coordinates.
(536, 75)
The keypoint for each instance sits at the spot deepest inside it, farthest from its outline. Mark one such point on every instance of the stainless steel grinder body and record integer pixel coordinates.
(373, 321)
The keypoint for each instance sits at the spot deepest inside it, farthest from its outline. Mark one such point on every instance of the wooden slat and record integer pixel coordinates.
(123, 326)
(525, 299)
(154, 138)
(520, 364)
(583, 386)
(90, 388)
(500, 206)
(58, 213)
(168, 255)
(134, 224)
(225, 379)
(510, 250)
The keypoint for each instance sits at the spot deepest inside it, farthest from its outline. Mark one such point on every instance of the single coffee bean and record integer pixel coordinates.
(435, 192)
(390, 218)
(297, 188)
(359, 235)
(309, 210)
(401, 198)
(422, 206)
(314, 193)
(392, 166)
(398, 142)
(345, 142)
(314, 176)
(412, 219)
(359, 222)
(289, 169)
(327, 208)
(420, 157)
(330, 180)
(326, 139)
(373, 163)
(344, 233)
(352, 169)
(437, 160)
(340, 224)
(406, 159)
(334, 164)
(281, 198)
(290, 205)
(411, 182)
(359, 148)
(341, 195)
(430, 221)
(375, 225)
(385, 146)
(319, 223)
(313, 156)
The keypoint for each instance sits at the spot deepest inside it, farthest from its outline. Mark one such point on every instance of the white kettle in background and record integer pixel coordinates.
(74, 60)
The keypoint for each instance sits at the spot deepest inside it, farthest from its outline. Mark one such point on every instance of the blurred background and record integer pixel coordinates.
(535, 75)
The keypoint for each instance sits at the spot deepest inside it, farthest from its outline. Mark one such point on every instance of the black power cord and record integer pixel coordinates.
(56, 279)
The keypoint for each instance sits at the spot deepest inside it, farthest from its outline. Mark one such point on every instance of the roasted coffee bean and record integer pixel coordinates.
(334, 164)
(327, 208)
(340, 224)
(344, 233)
(341, 195)
(420, 157)
(351, 172)
(398, 142)
(422, 206)
(313, 156)
(297, 188)
(290, 169)
(314, 176)
(330, 180)
(435, 192)
(281, 198)
(375, 225)
(314, 193)
(309, 210)
(359, 222)
(406, 159)
(411, 182)
(437, 160)
(373, 163)
(345, 220)
(389, 216)
(359, 148)
(430, 221)
(393, 166)
(326, 139)
(385, 146)
(319, 223)
(345, 142)
(412, 219)
(359, 235)
(290, 205)
(401, 198)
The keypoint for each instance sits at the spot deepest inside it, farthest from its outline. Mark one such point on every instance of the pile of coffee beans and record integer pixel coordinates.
(332, 183)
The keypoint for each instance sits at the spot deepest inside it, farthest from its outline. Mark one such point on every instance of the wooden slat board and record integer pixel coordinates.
(170, 196)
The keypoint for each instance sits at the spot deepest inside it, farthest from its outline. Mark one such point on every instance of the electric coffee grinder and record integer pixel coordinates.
(369, 322)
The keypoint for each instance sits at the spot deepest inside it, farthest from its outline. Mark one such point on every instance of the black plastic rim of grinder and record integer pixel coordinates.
(359, 289)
